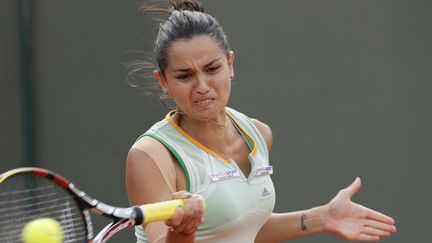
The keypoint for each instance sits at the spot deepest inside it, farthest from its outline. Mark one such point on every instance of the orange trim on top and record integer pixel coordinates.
(199, 145)
(254, 150)
(191, 139)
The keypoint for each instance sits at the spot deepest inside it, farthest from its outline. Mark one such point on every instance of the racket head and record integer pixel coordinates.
(31, 193)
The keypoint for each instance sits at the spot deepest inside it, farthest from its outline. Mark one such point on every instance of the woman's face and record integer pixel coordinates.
(198, 77)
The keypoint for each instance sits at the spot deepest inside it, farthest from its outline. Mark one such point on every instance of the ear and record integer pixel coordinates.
(231, 63)
(161, 80)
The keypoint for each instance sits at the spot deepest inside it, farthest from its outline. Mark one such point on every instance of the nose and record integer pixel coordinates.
(202, 85)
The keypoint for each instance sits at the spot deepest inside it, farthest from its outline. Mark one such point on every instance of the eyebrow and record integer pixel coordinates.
(189, 69)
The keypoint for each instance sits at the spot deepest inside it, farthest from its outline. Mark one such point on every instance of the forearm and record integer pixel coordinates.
(173, 237)
(287, 226)
(158, 232)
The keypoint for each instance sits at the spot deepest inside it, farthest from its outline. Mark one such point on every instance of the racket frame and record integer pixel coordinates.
(122, 217)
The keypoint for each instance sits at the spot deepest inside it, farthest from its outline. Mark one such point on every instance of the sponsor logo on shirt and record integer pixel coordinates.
(225, 175)
(265, 192)
(265, 170)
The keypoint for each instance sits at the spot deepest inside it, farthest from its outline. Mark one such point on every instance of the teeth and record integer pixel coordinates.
(203, 101)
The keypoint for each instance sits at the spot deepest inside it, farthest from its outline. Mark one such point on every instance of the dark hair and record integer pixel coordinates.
(186, 19)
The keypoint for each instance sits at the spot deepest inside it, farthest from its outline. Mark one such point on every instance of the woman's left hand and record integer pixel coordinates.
(352, 221)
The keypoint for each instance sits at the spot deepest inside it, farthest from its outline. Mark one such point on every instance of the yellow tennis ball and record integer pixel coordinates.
(42, 230)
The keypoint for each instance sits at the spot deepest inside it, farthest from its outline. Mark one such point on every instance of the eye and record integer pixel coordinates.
(213, 69)
(184, 77)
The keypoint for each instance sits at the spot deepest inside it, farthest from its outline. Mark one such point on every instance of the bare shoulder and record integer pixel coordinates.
(265, 130)
(145, 152)
(149, 145)
(150, 174)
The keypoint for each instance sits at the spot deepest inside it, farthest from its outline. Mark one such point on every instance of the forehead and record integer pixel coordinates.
(198, 50)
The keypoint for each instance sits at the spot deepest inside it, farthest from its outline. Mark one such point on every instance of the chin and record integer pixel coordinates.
(209, 113)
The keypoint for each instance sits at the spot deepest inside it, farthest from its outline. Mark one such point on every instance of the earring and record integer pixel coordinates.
(232, 77)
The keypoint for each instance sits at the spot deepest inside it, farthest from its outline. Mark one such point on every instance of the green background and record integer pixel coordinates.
(345, 86)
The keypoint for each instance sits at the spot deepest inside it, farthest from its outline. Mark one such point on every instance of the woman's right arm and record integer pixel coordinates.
(145, 183)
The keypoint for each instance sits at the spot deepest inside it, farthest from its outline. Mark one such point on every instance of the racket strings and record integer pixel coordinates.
(25, 190)
(25, 197)
(13, 231)
(29, 203)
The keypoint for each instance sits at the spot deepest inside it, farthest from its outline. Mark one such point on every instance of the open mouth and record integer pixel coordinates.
(204, 101)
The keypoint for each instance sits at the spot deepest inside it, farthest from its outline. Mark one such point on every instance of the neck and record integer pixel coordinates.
(184, 121)
(210, 133)
(220, 124)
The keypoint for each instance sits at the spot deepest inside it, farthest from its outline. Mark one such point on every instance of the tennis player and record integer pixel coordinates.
(205, 147)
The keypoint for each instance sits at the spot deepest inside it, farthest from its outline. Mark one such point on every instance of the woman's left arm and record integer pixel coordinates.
(340, 216)
(287, 226)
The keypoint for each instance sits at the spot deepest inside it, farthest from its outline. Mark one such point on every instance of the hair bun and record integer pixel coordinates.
(191, 5)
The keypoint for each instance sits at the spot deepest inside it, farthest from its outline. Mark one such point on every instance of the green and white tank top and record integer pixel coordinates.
(237, 206)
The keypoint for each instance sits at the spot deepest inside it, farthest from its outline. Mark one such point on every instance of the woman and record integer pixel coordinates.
(206, 148)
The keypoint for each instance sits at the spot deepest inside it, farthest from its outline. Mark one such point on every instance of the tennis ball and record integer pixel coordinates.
(42, 230)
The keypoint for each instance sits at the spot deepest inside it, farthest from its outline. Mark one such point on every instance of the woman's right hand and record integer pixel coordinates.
(187, 220)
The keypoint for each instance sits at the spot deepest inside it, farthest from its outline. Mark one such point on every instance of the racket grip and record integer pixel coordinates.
(160, 211)
(164, 210)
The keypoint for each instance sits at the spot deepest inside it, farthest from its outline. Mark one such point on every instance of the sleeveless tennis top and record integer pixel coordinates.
(237, 206)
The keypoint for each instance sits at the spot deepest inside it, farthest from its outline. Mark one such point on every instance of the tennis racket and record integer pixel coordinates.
(30, 193)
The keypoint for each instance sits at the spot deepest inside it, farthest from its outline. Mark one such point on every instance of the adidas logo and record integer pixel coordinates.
(265, 193)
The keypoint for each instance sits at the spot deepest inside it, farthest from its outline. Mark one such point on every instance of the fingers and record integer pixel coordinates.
(376, 232)
(377, 216)
(187, 219)
(380, 226)
(380, 217)
(175, 220)
(181, 195)
(367, 237)
(193, 216)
